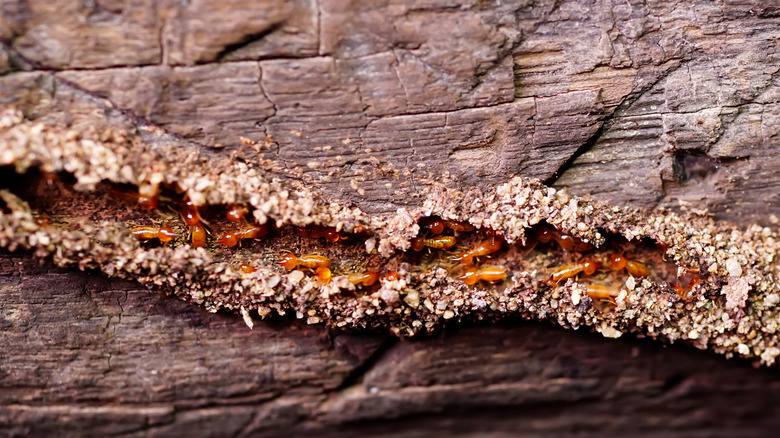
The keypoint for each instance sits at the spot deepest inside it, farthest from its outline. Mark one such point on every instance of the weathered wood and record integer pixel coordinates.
(647, 104)
(604, 88)
(96, 357)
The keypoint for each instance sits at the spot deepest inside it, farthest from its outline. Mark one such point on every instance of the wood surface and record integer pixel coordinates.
(652, 104)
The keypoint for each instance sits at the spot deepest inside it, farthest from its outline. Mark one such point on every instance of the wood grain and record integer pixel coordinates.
(652, 104)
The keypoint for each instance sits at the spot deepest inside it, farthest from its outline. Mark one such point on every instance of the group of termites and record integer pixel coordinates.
(469, 265)
(199, 230)
(546, 237)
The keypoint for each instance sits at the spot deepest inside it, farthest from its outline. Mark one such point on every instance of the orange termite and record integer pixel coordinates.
(323, 274)
(679, 290)
(317, 231)
(682, 292)
(237, 213)
(461, 227)
(587, 266)
(391, 275)
(290, 261)
(598, 291)
(439, 242)
(637, 269)
(147, 196)
(163, 234)
(366, 278)
(42, 220)
(486, 247)
(232, 238)
(318, 263)
(545, 234)
(686, 270)
(246, 269)
(436, 226)
(570, 243)
(191, 214)
(198, 234)
(491, 274)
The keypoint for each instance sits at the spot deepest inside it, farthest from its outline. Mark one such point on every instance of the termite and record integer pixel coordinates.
(679, 290)
(237, 213)
(544, 234)
(367, 278)
(567, 242)
(192, 217)
(323, 274)
(570, 243)
(318, 263)
(147, 195)
(618, 262)
(42, 220)
(316, 231)
(684, 270)
(439, 242)
(391, 275)
(163, 234)
(232, 238)
(490, 274)
(191, 214)
(587, 266)
(246, 269)
(682, 292)
(290, 261)
(489, 246)
(461, 227)
(435, 225)
(198, 235)
(598, 291)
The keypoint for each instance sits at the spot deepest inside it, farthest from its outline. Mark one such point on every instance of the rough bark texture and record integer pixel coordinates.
(652, 104)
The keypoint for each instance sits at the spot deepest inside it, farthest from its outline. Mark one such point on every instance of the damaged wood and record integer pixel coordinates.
(372, 105)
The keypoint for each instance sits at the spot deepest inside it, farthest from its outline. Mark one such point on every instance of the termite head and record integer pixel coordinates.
(246, 269)
(464, 257)
(323, 274)
(237, 213)
(590, 266)
(469, 276)
(228, 239)
(391, 276)
(147, 202)
(544, 234)
(42, 220)
(331, 235)
(288, 260)
(617, 262)
(166, 234)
